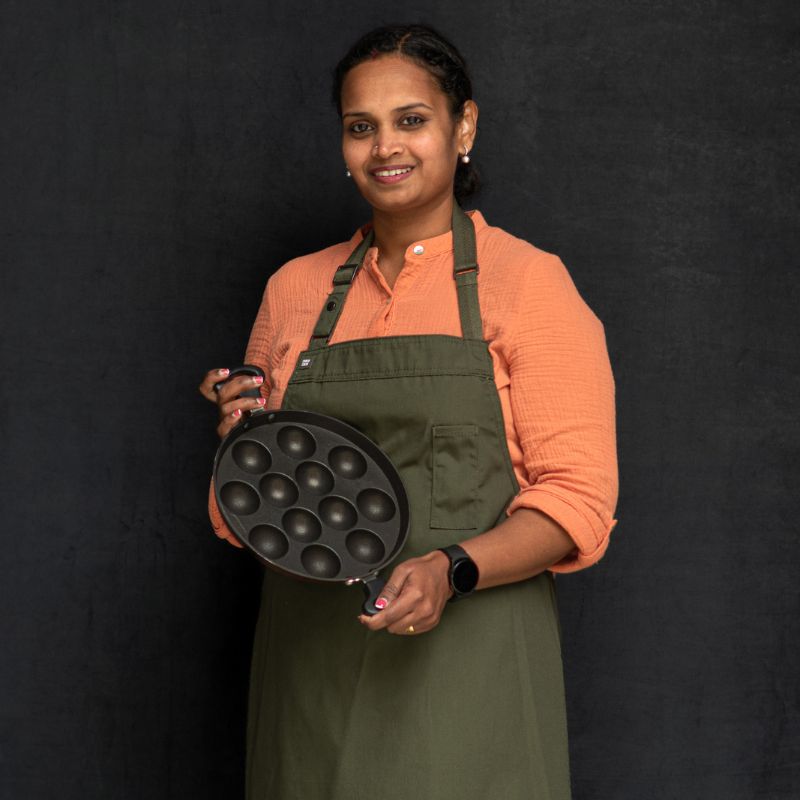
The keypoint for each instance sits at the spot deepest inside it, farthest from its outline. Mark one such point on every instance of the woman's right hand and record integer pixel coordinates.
(228, 400)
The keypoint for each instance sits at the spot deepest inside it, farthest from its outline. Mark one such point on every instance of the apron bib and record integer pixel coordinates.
(472, 710)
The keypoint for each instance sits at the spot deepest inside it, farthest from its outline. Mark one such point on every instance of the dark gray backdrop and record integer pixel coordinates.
(162, 158)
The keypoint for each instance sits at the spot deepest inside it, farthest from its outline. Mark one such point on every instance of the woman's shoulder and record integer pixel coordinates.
(526, 277)
(311, 270)
(507, 257)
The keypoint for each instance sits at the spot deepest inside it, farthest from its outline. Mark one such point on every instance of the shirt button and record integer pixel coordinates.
(418, 249)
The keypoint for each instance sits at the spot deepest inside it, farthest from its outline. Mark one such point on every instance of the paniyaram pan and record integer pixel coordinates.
(311, 496)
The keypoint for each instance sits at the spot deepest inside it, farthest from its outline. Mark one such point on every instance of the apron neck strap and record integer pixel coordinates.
(342, 280)
(465, 274)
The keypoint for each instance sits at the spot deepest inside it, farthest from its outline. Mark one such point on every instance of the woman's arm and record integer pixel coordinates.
(563, 406)
(562, 401)
(523, 545)
(258, 352)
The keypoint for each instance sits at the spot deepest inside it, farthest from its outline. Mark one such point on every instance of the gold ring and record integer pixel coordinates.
(410, 629)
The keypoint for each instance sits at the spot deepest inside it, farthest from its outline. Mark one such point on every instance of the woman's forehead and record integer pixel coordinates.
(387, 83)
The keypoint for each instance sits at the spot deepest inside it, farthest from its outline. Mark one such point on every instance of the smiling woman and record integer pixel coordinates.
(469, 357)
(403, 156)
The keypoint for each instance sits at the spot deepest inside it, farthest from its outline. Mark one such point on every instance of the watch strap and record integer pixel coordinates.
(454, 551)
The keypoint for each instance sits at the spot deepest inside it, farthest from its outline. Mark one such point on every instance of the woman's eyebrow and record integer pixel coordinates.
(400, 108)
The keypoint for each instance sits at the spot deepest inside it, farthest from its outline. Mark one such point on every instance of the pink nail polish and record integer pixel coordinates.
(223, 371)
(381, 603)
(258, 380)
(261, 401)
(237, 413)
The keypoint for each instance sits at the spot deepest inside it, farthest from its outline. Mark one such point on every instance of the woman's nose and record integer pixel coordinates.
(385, 145)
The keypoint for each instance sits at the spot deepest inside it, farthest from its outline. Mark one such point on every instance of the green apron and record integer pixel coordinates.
(472, 710)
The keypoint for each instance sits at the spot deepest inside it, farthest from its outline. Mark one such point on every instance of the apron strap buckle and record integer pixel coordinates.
(345, 274)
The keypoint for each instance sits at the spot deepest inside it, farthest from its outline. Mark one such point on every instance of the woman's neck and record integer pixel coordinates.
(395, 232)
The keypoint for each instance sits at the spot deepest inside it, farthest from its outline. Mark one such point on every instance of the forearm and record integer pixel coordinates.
(523, 545)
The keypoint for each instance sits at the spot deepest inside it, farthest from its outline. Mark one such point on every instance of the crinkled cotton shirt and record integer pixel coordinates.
(548, 349)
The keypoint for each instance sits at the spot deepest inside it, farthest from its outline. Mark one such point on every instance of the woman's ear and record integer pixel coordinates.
(468, 124)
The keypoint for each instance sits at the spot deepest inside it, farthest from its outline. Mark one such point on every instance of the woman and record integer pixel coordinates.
(490, 389)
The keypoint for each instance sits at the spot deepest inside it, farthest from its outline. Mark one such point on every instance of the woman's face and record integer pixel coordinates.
(395, 104)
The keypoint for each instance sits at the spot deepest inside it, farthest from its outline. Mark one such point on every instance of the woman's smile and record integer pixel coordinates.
(389, 175)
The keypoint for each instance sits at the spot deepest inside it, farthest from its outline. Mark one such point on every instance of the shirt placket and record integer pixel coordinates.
(382, 322)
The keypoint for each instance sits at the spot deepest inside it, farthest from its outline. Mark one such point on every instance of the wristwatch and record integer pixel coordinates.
(463, 573)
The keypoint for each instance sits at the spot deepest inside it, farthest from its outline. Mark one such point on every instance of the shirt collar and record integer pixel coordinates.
(431, 247)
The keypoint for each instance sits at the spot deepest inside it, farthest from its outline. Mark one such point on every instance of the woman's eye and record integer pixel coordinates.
(410, 121)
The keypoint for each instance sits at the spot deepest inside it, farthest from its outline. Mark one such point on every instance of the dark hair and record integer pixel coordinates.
(429, 49)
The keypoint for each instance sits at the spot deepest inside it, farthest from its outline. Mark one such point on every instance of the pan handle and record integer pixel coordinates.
(372, 586)
(245, 369)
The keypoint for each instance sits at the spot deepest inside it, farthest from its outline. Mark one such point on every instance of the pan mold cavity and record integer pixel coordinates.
(320, 562)
(278, 490)
(268, 541)
(239, 498)
(296, 442)
(347, 462)
(314, 477)
(251, 457)
(376, 505)
(301, 525)
(365, 547)
(337, 513)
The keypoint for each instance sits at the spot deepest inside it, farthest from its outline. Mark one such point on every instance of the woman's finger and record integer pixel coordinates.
(232, 418)
(410, 625)
(206, 387)
(236, 386)
(394, 586)
(228, 422)
(399, 597)
(241, 404)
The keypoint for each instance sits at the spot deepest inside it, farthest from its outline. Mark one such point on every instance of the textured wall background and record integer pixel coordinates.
(160, 159)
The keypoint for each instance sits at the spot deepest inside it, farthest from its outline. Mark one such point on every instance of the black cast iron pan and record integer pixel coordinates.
(311, 496)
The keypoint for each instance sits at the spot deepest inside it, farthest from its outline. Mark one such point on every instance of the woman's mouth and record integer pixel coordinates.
(391, 174)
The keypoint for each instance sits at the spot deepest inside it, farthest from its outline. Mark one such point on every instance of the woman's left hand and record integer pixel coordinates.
(414, 596)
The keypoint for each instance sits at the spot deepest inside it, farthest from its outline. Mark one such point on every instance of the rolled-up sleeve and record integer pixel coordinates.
(259, 349)
(563, 404)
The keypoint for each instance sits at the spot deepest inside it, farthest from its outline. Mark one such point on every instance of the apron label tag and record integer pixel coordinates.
(305, 362)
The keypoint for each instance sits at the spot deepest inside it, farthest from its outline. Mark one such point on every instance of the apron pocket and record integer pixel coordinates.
(455, 476)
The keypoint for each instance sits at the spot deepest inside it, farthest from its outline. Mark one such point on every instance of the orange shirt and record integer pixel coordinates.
(548, 348)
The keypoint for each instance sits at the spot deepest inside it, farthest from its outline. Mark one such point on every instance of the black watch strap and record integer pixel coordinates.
(463, 573)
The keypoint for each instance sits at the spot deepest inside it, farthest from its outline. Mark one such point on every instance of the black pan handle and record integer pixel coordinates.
(372, 586)
(245, 369)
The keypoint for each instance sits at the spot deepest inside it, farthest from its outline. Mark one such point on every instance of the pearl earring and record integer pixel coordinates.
(347, 172)
(465, 157)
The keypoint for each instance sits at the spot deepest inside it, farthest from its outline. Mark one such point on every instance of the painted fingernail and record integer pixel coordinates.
(258, 380)
(381, 603)
(237, 413)
(223, 371)
(261, 401)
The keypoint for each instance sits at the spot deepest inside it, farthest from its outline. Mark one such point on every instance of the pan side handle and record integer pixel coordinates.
(372, 586)
(244, 369)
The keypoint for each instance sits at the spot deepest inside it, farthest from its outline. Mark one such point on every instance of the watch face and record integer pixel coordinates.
(465, 576)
